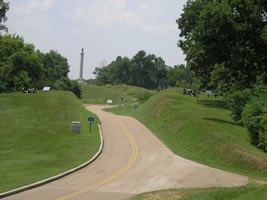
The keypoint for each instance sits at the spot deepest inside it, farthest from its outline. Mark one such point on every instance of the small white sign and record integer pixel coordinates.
(46, 89)
(209, 92)
(109, 101)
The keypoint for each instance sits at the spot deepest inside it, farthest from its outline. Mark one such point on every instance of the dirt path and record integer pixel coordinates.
(133, 161)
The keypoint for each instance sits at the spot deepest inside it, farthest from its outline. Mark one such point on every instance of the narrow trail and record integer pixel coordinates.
(133, 161)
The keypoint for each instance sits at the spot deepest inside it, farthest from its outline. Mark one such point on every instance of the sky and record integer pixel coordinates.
(104, 28)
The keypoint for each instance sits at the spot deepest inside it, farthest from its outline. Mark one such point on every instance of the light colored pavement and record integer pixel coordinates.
(133, 161)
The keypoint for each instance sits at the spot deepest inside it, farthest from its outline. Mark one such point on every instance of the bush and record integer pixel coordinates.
(254, 118)
(252, 109)
(143, 96)
(66, 84)
(76, 89)
(237, 101)
(263, 134)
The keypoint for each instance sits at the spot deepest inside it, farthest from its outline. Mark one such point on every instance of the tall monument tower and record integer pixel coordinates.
(81, 65)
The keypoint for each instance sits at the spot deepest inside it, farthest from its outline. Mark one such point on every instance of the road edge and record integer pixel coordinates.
(59, 176)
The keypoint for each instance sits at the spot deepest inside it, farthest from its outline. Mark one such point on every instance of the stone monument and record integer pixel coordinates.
(81, 66)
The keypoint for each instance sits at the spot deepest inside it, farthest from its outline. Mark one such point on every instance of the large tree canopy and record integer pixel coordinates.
(227, 36)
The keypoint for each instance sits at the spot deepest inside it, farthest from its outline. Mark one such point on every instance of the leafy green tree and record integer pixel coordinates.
(56, 65)
(180, 76)
(20, 66)
(220, 78)
(120, 70)
(103, 75)
(226, 33)
(142, 70)
(148, 71)
(27, 66)
(4, 7)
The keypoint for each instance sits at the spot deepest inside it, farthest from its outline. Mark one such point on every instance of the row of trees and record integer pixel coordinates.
(143, 70)
(21, 66)
(225, 42)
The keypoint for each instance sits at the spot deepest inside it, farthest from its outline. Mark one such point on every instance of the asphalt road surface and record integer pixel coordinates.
(133, 161)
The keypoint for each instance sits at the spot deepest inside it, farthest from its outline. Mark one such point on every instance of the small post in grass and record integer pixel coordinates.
(197, 93)
(90, 120)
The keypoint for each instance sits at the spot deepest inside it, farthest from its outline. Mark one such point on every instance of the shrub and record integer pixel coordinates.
(237, 101)
(252, 109)
(143, 96)
(253, 127)
(76, 89)
(254, 118)
(263, 134)
(67, 84)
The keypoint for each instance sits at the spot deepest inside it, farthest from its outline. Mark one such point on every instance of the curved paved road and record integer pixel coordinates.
(133, 161)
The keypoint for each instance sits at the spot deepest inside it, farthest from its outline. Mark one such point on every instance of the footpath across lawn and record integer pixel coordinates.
(36, 139)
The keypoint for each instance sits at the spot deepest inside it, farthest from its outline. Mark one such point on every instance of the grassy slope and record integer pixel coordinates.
(93, 94)
(36, 139)
(242, 193)
(203, 132)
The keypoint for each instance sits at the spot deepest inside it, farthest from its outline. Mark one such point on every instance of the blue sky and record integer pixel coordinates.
(104, 28)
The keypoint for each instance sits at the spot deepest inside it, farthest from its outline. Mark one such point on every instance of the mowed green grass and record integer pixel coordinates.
(202, 131)
(36, 141)
(93, 94)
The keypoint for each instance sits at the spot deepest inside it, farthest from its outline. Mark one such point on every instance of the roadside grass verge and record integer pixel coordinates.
(242, 193)
(36, 138)
(93, 94)
(204, 132)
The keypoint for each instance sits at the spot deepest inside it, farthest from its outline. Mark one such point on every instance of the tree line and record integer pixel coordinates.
(225, 42)
(143, 70)
(22, 66)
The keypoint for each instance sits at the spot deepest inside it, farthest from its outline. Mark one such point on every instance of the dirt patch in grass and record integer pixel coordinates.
(162, 104)
(252, 160)
(159, 195)
(259, 182)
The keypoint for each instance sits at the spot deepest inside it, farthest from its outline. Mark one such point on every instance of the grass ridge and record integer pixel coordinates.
(36, 138)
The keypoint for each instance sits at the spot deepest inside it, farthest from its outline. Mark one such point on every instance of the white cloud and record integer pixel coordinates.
(160, 28)
(47, 4)
(130, 18)
(26, 7)
(104, 14)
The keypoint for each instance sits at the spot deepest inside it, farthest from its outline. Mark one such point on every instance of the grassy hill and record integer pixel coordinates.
(93, 94)
(204, 132)
(36, 139)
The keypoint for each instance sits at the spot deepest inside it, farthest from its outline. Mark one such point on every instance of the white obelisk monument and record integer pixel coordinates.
(81, 65)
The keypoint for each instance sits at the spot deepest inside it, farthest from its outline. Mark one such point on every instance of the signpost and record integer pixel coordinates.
(90, 120)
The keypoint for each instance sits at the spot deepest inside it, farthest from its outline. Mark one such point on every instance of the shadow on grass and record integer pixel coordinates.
(214, 103)
(222, 121)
